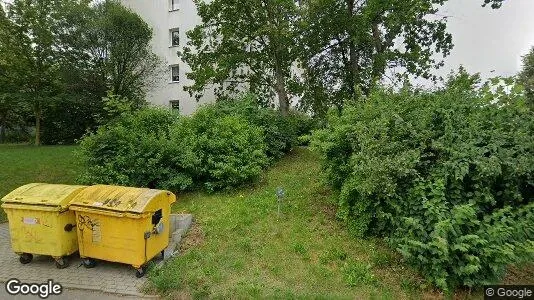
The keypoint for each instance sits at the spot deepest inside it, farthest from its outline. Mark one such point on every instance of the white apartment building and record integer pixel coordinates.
(170, 20)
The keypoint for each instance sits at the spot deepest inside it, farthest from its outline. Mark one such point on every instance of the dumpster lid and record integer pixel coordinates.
(117, 198)
(43, 194)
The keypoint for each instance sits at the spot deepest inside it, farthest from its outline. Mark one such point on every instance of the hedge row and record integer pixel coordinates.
(447, 177)
(221, 146)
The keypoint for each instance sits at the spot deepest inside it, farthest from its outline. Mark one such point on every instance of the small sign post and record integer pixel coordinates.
(280, 194)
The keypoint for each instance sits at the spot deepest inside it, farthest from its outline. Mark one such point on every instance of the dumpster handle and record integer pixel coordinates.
(146, 236)
(69, 227)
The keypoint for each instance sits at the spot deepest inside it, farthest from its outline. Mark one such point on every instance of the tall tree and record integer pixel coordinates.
(244, 43)
(64, 56)
(112, 55)
(350, 44)
(526, 76)
(118, 52)
(35, 38)
(7, 105)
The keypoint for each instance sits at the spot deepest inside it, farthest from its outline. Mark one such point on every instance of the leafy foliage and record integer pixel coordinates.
(34, 38)
(58, 59)
(303, 125)
(156, 148)
(136, 150)
(280, 132)
(243, 42)
(447, 176)
(13, 118)
(230, 150)
(493, 3)
(68, 118)
(351, 44)
(323, 52)
(526, 76)
(116, 45)
(115, 106)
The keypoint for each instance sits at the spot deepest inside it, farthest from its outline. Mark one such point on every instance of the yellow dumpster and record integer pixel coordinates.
(40, 221)
(122, 224)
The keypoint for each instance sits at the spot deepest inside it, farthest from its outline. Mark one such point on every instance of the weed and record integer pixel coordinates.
(358, 273)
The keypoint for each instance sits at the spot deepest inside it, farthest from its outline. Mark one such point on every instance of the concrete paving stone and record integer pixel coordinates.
(185, 221)
(105, 277)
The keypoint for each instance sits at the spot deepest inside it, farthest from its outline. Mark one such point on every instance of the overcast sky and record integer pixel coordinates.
(486, 39)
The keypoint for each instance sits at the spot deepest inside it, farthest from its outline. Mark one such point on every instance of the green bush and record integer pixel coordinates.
(67, 119)
(18, 134)
(447, 176)
(137, 150)
(230, 150)
(303, 126)
(280, 133)
(156, 148)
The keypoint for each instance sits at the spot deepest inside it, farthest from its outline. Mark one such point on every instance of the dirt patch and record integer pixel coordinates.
(523, 274)
(194, 238)
(180, 295)
(324, 201)
(329, 210)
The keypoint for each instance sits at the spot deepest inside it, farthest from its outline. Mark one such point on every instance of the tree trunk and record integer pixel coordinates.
(38, 112)
(354, 67)
(379, 64)
(353, 56)
(280, 87)
(3, 125)
(2, 133)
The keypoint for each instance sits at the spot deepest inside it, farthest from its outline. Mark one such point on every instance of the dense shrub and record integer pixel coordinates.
(137, 150)
(157, 148)
(447, 176)
(280, 133)
(68, 119)
(303, 125)
(18, 134)
(230, 150)
(15, 123)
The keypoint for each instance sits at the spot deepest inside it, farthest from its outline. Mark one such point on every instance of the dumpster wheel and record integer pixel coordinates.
(140, 272)
(88, 263)
(25, 258)
(61, 263)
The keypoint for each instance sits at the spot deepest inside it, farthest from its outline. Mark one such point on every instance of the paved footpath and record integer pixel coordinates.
(105, 277)
(72, 295)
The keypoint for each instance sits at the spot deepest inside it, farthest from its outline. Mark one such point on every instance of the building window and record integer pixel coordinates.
(175, 73)
(175, 105)
(175, 37)
(174, 5)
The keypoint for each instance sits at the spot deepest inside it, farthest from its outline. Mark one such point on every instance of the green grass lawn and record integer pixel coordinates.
(241, 248)
(22, 164)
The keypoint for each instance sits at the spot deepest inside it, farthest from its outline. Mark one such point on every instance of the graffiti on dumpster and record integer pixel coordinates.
(93, 225)
(112, 202)
(31, 235)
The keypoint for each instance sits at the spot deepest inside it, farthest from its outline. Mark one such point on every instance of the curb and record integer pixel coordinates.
(80, 287)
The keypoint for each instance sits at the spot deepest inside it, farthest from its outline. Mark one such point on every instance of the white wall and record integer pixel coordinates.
(158, 15)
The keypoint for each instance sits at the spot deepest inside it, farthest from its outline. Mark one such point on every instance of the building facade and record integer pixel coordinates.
(170, 20)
